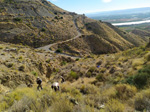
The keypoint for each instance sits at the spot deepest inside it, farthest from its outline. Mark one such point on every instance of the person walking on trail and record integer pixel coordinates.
(39, 82)
(55, 86)
(62, 79)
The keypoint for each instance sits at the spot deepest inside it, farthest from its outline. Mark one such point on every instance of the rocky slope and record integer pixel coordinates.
(34, 23)
(38, 22)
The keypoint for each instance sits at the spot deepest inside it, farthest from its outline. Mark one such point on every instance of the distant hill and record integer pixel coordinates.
(38, 23)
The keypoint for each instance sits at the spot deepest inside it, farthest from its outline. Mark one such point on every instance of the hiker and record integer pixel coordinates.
(55, 86)
(62, 79)
(39, 82)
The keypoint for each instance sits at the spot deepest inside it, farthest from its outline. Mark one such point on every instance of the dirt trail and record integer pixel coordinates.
(46, 48)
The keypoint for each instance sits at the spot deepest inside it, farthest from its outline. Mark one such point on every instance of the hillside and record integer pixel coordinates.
(21, 65)
(93, 83)
(99, 38)
(141, 30)
(141, 33)
(34, 23)
(103, 67)
(37, 23)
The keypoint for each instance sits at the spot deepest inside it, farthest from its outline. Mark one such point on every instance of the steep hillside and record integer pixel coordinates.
(34, 22)
(22, 65)
(38, 22)
(117, 82)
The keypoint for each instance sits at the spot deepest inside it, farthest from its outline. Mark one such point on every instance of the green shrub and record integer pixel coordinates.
(56, 17)
(137, 62)
(108, 93)
(63, 105)
(61, 17)
(89, 89)
(88, 74)
(18, 19)
(73, 75)
(34, 73)
(141, 79)
(9, 65)
(63, 63)
(77, 59)
(114, 106)
(43, 29)
(59, 50)
(16, 95)
(22, 68)
(27, 99)
(101, 77)
(124, 91)
(147, 56)
(92, 69)
(103, 70)
(71, 90)
(20, 58)
(142, 101)
(3, 106)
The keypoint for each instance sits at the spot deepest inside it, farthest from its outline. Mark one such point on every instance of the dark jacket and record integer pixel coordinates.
(39, 81)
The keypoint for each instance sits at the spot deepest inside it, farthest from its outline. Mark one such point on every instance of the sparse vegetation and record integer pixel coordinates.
(142, 99)
(141, 79)
(59, 50)
(9, 65)
(114, 106)
(18, 19)
(43, 29)
(94, 81)
(22, 68)
(73, 75)
(108, 85)
(34, 73)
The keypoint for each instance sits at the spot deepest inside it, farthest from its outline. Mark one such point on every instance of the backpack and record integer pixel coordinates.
(39, 81)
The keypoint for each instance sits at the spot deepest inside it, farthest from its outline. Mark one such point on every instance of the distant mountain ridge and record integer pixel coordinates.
(118, 12)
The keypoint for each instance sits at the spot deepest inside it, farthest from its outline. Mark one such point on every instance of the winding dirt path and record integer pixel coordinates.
(46, 48)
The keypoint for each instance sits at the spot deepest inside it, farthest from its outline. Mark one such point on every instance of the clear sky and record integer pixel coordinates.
(87, 6)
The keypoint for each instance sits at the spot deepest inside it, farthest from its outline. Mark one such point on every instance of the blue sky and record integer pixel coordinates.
(87, 6)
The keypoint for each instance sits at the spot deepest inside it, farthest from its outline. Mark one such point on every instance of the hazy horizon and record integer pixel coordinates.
(114, 10)
(93, 6)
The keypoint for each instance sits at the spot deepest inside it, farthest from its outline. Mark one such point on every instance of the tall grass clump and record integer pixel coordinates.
(142, 101)
(27, 99)
(62, 105)
(114, 106)
(124, 91)
(147, 56)
(73, 75)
